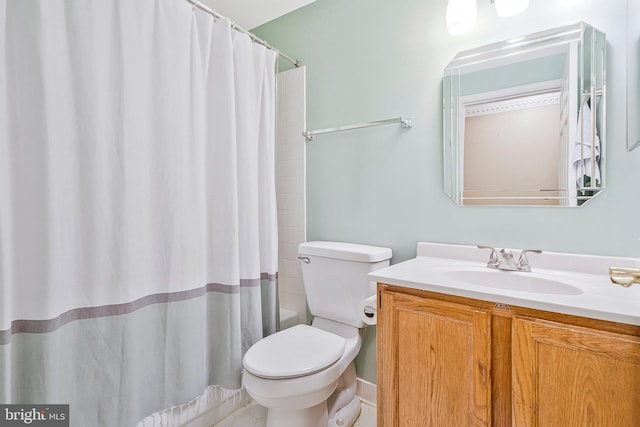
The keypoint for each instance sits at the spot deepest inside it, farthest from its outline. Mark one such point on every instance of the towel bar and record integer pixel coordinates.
(405, 123)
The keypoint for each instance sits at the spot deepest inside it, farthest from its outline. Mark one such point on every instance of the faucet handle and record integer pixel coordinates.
(493, 258)
(523, 262)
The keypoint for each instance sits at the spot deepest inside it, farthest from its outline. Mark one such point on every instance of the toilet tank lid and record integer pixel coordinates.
(345, 251)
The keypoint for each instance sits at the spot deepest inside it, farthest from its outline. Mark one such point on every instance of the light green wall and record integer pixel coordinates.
(377, 59)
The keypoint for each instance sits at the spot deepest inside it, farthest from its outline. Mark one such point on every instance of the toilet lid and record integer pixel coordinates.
(295, 352)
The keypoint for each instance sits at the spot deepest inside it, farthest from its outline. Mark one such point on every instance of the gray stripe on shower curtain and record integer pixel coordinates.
(43, 326)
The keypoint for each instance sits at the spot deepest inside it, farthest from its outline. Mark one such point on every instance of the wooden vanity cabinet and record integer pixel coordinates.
(572, 376)
(433, 361)
(453, 361)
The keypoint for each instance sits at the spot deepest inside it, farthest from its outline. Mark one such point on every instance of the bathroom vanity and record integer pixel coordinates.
(460, 344)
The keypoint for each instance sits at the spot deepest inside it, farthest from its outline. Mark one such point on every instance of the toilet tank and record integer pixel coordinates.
(335, 277)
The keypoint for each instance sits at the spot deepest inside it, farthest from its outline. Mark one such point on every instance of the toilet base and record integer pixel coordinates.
(346, 416)
(316, 416)
(343, 406)
(339, 408)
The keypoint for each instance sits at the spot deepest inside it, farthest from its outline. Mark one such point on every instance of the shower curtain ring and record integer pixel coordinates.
(194, 4)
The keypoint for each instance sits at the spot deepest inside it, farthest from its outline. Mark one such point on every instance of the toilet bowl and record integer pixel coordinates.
(305, 375)
(300, 394)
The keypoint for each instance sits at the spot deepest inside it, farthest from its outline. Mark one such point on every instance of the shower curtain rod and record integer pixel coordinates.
(235, 26)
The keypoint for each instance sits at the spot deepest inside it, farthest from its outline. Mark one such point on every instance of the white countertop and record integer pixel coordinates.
(590, 291)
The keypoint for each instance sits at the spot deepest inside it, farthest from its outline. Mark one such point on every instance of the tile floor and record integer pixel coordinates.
(254, 415)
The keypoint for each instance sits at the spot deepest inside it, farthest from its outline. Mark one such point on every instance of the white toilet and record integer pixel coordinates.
(305, 375)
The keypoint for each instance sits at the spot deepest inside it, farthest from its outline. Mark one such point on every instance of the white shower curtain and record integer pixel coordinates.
(138, 234)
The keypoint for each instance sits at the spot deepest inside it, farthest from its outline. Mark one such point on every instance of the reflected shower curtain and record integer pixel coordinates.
(138, 231)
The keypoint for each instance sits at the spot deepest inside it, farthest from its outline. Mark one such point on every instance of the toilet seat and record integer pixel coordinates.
(295, 352)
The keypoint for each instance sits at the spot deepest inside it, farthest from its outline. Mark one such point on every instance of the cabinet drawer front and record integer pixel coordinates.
(572, 376)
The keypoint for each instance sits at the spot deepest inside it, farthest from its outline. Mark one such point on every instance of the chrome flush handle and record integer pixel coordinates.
(304, 259)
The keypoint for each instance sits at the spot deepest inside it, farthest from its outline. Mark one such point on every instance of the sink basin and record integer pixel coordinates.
(513, 281)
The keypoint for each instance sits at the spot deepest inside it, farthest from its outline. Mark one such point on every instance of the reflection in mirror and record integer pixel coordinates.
(633, 74)
(524, 120)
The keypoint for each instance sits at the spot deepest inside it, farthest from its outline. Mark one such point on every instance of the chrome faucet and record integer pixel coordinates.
(505, 260)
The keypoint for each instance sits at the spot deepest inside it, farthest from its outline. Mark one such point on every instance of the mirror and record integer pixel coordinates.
(633, 74)
(524, 120)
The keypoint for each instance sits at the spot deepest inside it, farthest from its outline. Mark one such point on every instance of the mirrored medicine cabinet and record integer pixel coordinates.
(524, 120)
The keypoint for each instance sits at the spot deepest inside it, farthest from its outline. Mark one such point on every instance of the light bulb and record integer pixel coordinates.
(461, 16)
(506, 8)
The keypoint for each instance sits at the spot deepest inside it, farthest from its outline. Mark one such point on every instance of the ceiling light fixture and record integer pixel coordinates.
(506, 8)
(461, 16)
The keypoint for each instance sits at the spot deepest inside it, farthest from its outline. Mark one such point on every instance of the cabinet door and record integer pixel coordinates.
(433, 363)
(569, 376)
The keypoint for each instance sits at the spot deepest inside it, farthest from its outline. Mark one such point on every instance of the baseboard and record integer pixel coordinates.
(366, 391)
